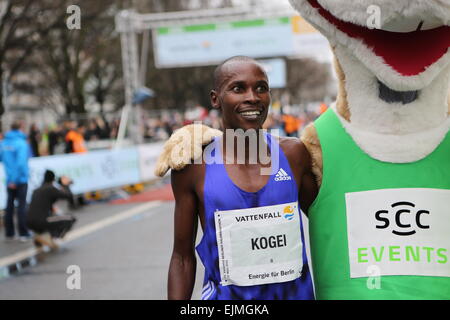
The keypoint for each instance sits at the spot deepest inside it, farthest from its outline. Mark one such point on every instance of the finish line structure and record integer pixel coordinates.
(130, 25)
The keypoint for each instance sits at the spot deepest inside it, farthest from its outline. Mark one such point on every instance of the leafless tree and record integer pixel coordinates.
(23, 24)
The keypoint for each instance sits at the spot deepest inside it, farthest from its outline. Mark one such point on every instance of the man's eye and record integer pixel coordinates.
(237, 89)
(262, 89)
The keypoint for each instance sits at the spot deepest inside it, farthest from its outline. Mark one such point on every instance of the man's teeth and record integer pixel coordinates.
(251, 113)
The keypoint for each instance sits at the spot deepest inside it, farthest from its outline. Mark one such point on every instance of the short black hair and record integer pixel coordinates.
(16, 125)
(219, 68)
(49, 176)
(81, 125)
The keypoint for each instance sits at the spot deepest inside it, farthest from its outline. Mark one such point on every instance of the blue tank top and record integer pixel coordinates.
(220, 193)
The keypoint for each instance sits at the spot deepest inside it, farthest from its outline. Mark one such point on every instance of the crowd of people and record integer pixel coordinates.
(74, 136)
(70, 136)
(287, 121)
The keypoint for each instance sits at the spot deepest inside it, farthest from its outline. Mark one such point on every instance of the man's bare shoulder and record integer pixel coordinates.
(193, 170)
(294, 149)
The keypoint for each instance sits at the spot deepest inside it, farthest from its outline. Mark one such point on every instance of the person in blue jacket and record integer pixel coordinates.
(15, 154)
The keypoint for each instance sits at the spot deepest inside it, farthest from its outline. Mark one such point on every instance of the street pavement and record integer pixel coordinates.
(122, 252)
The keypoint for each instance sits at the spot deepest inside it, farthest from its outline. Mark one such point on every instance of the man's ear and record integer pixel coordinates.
(214, 99)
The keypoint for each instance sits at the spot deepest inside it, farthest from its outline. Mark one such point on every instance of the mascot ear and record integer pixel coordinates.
(183, 146)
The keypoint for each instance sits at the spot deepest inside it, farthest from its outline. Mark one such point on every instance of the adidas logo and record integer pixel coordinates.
(282, 176)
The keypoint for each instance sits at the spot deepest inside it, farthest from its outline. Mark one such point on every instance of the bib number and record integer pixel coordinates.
(259, 245)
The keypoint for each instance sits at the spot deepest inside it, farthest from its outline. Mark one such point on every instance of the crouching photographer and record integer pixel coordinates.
(41, 217)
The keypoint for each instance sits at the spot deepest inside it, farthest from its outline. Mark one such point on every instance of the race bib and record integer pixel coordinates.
(259, 245)
(400, 231)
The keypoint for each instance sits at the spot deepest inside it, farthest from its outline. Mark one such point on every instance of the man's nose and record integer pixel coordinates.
(252, 96)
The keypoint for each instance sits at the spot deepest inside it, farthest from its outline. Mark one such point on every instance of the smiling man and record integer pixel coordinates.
(253, 243)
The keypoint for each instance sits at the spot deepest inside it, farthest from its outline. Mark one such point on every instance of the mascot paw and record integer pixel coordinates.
(184, 146)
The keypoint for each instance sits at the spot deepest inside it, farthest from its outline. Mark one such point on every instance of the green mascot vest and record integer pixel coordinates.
(379, 230)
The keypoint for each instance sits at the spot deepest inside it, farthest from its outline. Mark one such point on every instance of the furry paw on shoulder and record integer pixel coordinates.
(183, 146)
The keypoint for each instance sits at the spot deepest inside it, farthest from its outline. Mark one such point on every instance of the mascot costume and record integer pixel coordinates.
(380, 225)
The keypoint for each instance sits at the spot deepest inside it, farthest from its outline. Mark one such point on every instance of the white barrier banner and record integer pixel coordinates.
(148, 155)
(95, 170)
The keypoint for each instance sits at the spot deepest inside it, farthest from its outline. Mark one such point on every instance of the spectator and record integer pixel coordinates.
(34, 137)
(322, 108)
(43, 143)
(75, 139)
(114, 129)
(41, 218)
(291, 125)
(15, 155)
(54, 138)
(104, 129)
(93, 132)
(68, 126)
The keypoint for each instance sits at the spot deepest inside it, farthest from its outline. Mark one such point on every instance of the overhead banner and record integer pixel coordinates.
(308, 42)
(210, 44)
(276, 72)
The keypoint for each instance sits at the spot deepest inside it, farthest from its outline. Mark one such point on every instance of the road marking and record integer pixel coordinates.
(22, 255)
(78, 233)
(81, 232)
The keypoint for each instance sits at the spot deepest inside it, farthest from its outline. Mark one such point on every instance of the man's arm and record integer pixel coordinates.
(64, 192)
(308, 186)
(183, 262)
